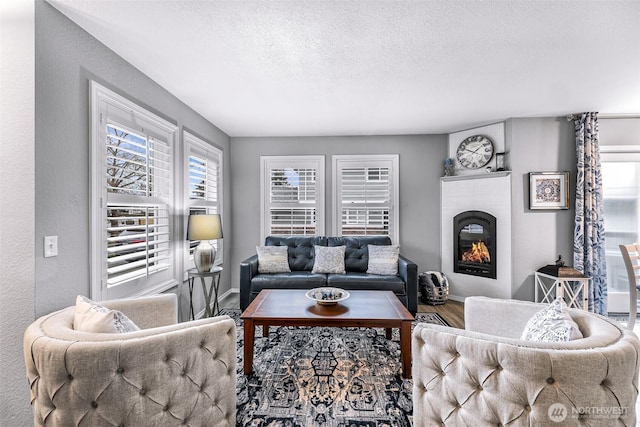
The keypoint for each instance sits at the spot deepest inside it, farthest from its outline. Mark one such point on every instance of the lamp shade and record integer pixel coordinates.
(204, 227)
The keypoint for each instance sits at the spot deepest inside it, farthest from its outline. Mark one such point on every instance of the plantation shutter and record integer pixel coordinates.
(139, 181)
(365, 198)
(204, 171)
(292, 190)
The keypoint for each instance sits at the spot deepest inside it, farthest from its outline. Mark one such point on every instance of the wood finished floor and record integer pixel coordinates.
(451, 311)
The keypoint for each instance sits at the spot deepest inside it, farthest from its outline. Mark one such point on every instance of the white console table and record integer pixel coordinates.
(573, 289)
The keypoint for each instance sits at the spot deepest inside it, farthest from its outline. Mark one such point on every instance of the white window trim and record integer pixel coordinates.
(193, 144)
(271, 162)
(100, 98)
(340, 161)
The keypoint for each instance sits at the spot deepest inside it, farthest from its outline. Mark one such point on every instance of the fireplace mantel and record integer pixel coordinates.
(479, 176)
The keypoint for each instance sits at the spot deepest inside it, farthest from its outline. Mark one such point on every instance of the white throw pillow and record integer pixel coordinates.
(273, 259)
(552, 324)
(329, 259)
(92, 317)
(383, 260)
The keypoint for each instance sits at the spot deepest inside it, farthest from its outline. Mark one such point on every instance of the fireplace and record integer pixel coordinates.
(474, 244)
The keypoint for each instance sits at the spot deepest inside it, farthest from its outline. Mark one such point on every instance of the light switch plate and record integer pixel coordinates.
(50, 246)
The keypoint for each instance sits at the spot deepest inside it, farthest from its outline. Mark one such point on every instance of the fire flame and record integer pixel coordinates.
(478, 253)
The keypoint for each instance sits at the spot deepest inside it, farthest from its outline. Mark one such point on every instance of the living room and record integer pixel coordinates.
(65, 58)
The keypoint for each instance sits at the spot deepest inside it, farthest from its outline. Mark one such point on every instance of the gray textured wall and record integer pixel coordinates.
(66, 59)
(421, 158)
(17, 110)
(538, 236)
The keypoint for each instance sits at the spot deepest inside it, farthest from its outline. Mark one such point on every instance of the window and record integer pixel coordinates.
(621, 196)
(292, 196)
(365, 195)
(203, 189)
(132, 196)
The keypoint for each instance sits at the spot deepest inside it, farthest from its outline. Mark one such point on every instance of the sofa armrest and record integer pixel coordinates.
(248, 269)
(408, 272)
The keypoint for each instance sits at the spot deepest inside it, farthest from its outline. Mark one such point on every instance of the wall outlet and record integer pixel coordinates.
(50, 246)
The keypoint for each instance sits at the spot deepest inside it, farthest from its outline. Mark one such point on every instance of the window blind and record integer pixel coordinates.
(293, 194)
(365, 194)
(138, 182)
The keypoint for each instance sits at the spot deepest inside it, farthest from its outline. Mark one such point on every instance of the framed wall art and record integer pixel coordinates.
(548, 190)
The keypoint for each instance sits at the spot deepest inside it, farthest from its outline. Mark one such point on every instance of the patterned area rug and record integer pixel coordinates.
(327, 377)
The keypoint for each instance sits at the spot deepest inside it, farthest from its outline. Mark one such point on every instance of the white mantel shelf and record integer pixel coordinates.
(478, 176)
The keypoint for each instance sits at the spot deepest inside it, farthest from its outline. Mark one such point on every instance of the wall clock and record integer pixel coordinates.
(475, 151)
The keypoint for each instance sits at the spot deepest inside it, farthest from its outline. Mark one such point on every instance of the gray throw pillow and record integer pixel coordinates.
(273, 259)
(329, 259)
(383, 260)
(552, 324)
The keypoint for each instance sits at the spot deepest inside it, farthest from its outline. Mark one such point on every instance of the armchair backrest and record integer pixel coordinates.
(471, 377)
(162, 375)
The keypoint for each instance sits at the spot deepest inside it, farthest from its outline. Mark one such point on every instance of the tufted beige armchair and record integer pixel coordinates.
(485, 375)
(166, 374)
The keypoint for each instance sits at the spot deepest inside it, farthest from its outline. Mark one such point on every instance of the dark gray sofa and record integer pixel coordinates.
(301, 256)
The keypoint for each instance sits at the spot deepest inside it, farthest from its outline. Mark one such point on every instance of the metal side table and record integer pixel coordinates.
(208, 291)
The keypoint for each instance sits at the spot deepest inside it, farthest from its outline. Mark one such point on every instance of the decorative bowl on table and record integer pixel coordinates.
(327, 296)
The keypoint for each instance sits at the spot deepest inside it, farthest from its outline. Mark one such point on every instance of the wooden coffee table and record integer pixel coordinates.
(290, 307)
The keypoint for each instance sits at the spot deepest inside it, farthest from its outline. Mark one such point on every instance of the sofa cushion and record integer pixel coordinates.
(329, 260)
(366, 282)
(383, 259)
(293, 280)
(300, 249)
(356, 258)
(273, 259)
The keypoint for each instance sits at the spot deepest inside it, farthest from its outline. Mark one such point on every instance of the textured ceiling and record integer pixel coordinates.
(287, 68)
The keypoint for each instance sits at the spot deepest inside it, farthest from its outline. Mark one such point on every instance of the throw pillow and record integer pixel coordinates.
(329, 259)
(383, 260)
(552, 324)
(273, 259)
(92, 317)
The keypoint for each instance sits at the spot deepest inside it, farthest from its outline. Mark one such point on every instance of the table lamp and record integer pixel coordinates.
(204, 228)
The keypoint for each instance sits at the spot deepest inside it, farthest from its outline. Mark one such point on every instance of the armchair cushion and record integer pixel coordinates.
(92, 317)
(552, 324)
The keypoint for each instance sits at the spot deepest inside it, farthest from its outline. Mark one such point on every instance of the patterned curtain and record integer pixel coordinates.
(588, 237)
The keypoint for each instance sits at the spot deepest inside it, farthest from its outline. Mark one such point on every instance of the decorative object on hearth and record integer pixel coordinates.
(327, 296)
(548, 190)
(204, 228)
(434, 287)
(449, 167)
(475, 151)
(500, 166)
